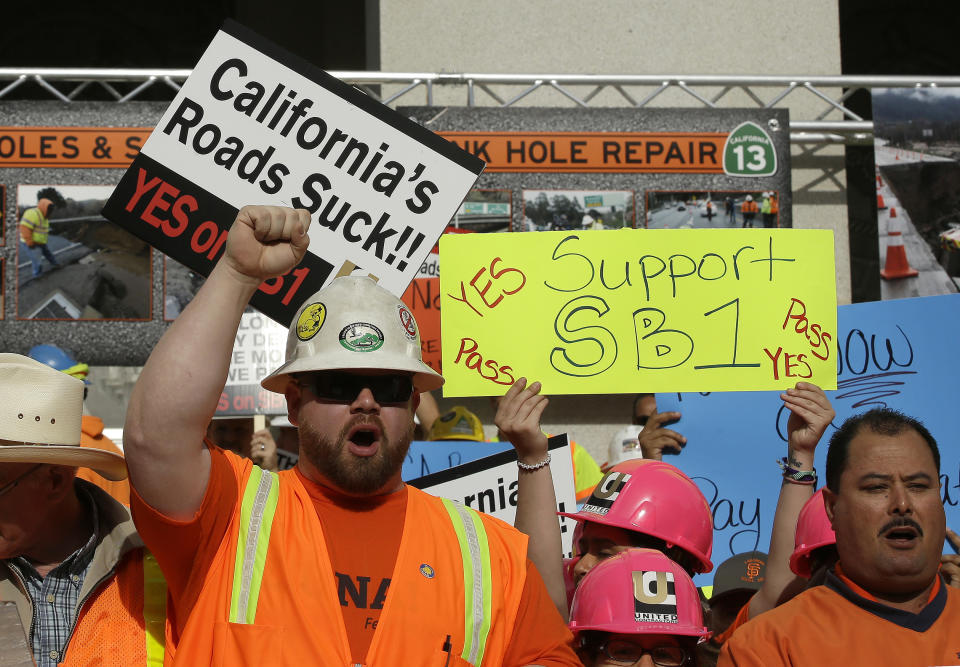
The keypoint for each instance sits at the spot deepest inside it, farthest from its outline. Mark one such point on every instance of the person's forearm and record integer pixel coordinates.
(177, 392)
(791, 500)
(537, 518)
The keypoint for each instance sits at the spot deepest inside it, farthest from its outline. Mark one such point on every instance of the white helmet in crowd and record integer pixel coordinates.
(749, 198)
(625, 445)
(353, 323)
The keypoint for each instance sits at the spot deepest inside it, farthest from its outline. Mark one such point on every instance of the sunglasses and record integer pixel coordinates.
(345, 387)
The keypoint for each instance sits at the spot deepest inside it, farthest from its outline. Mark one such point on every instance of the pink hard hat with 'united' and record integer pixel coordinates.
(656, 499)
(638, 591)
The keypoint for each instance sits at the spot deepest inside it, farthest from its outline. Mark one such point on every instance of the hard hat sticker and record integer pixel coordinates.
(654, 597)
(361, 337)
(605, 493)
(407, 322)
(311, 320)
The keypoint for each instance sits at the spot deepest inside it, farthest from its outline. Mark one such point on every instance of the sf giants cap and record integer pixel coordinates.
(744, 571)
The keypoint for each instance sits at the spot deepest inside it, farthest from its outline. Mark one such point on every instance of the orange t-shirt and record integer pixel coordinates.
(835, 624)
(367, 535)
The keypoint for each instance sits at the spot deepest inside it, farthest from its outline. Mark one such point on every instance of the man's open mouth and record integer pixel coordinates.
(902, 535)
(364, 439)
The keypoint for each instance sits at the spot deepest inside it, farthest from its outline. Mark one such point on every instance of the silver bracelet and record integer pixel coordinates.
(535, 466)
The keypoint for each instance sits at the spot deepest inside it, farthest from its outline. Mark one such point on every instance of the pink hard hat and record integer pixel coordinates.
(638, 591)
(813, 532)
(657, 499)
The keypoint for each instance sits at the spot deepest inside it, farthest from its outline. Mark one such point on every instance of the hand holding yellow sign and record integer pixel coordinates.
(609, 312)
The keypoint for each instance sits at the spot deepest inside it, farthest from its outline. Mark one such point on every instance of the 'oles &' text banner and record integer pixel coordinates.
(70, 146)
(608, 312)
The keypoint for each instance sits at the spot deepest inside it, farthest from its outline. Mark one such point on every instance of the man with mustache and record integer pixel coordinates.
(336, 562)
(885, 602)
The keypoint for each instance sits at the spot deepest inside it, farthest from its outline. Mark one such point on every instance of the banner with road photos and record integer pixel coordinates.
(254, 124)
(490, 485)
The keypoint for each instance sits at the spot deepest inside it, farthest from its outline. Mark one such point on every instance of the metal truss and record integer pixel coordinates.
(826, 118)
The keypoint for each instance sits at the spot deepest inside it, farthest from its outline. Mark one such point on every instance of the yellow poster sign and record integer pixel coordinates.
(636, 310)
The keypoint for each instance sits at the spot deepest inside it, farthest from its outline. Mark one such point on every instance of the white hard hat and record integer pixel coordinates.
(353, 323)
(749, 198)
(625, 445)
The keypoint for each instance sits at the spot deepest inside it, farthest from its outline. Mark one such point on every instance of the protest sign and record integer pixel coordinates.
(423, 299)
(426, 457)
(257, 350)
(899, 354)
(255, 124)
(490, 485)
(601, 312)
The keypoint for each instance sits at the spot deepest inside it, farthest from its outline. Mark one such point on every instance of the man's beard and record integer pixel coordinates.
(348, 472)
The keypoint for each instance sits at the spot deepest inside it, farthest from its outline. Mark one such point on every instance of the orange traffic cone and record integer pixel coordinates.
(880, 205)
(893, 212)
(896, 265)
(879, 181)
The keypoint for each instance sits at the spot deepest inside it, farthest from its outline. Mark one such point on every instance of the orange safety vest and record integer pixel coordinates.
(136, 592)
(749, 207)
(774, 206)
(270, 596)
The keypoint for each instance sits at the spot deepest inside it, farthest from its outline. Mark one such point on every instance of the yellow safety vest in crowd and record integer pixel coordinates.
(38, 224)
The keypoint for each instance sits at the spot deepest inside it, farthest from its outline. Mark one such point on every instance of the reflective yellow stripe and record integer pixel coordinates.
(256, 521)
(477, 586)
(154, 609)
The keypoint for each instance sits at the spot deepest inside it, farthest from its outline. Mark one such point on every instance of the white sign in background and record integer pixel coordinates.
(493, 489)
(258, 349)
(203, 127)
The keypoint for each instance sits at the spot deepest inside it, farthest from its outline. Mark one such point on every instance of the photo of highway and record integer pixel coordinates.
(917, 157)
(72, 263)
(712, 210)
(549, 210)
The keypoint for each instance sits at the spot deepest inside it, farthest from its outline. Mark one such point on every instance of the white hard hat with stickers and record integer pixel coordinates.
(353, 323)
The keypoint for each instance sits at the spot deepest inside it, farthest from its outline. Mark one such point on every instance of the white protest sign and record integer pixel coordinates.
(489, 485)
(258, 349)
(256, 125)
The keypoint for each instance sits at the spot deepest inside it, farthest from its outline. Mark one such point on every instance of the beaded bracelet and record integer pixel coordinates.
(795, 476)
(534, 466)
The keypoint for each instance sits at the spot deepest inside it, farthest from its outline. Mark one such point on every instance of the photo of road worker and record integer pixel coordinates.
(72, 263)
(552, 210)
(712, 209)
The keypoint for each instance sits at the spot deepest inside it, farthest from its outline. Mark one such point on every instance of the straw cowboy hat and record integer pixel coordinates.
(40, 413)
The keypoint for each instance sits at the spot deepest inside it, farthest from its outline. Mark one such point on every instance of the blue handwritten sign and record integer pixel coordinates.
(901, 354)
(425, 458)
